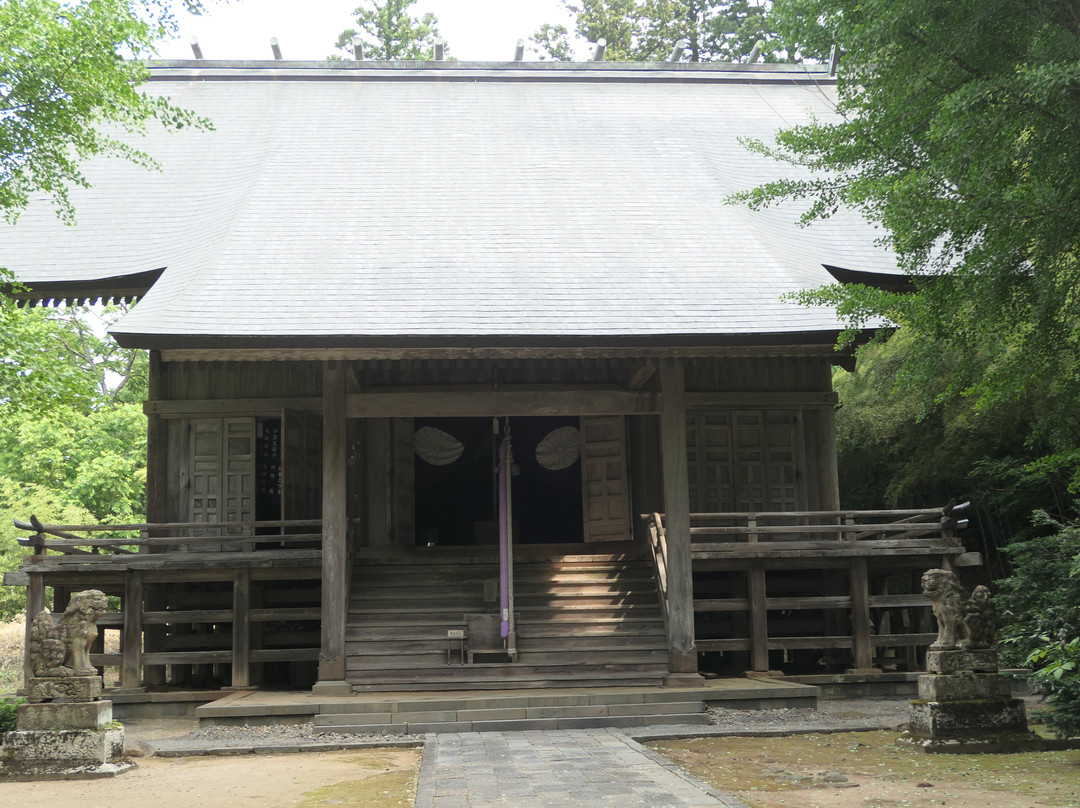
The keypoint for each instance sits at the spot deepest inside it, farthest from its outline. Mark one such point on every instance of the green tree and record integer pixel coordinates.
(72, 430)
(69, 76)
(389, 32)
(647, 30)
(956, 132)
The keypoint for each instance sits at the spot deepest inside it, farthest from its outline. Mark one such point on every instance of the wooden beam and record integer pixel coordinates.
(335, 556)
(824, 350)
(229, 406)
(485, 403)
(241, 629)
(706, 401)
(680, 581)
(131, 666)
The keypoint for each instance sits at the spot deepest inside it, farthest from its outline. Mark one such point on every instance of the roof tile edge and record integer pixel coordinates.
(472, 71)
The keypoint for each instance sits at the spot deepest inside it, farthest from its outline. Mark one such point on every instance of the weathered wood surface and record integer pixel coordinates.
(465, 352)
(335, 558)
(680, 583)
(490, 403)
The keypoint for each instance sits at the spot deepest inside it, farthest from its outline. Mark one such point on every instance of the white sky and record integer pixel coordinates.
(475, 30)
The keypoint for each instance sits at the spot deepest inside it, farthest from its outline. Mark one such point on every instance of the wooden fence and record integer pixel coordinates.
(833, 570)
(195, 596)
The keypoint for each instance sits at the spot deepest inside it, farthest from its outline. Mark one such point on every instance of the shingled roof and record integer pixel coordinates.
(404, 204)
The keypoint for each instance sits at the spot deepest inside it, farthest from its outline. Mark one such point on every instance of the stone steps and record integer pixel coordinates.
(510, 713)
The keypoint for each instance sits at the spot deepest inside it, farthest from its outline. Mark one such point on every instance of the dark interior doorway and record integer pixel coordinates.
(456, 481)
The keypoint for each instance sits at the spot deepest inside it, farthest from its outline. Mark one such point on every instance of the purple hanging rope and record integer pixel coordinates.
(504, 554)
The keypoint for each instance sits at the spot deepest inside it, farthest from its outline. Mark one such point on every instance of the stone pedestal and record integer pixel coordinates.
(65, 732)
(965, 706)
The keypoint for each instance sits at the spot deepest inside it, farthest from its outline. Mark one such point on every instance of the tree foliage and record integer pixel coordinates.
(957, 130)
(69, 80)
(389, 32)
(956, 133)
(647, 30)
(72, 430)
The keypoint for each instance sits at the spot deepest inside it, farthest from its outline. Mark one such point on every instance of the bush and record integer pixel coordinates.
(9, 714)
(1040, 610)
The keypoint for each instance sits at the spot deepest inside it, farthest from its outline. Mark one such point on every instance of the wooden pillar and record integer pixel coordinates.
(241, 629)
(860, 616)
(680, 583)
(35, 604)
(157, 508)
(131, 661)
(335, 568)
(827, 467)
(759, 617)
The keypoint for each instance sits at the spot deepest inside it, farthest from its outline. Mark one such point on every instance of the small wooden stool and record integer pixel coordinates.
(452, 635)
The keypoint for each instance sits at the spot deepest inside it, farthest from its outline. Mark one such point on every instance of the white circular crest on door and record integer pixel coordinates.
(559, 448)
(437, 447)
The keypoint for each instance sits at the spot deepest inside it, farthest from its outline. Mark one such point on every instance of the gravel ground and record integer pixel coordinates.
(184, 735)
(830, 714)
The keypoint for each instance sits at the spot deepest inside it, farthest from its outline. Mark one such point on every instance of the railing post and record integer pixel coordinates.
(131, 662)
(35, 604)
(241, 629)
(759, 617)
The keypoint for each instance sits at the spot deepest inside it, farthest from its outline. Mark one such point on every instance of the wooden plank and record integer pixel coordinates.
(285, 655)
(491, 403)
(721, 605)
(739, 644)
(268, 407)
(793, 527)
(826, 351)
(132, 637)
(893, 640)
(897, 601)
(166, 617)
(808, 643)
(680, 582)
(640, 373)
(241, 629)
(187, 657)
(759, 618)
(335, 558)
(761, 399)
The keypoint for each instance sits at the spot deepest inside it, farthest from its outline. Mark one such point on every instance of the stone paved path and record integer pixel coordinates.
(588, 768)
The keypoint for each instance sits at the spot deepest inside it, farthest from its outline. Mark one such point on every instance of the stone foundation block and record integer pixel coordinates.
(64, 747)
(971, 717)
(963, 686)
(982, 660)
(64, 688)
(68, 715)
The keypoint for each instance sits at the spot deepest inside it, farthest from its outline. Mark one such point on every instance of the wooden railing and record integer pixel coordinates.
(658, 549)
(752, 542)
(168, 537)
(138, 561)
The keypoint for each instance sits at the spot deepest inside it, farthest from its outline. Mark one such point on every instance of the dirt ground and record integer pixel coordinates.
(377, 778)
(873, 772)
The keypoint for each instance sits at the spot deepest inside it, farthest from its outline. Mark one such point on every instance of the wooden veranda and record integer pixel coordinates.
(244, 607)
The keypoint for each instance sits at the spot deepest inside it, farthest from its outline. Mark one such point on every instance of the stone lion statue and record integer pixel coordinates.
(78, 629)
(46, 648)
(963, 622)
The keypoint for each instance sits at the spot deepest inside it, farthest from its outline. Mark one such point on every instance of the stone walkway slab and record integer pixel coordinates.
(587, 768)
